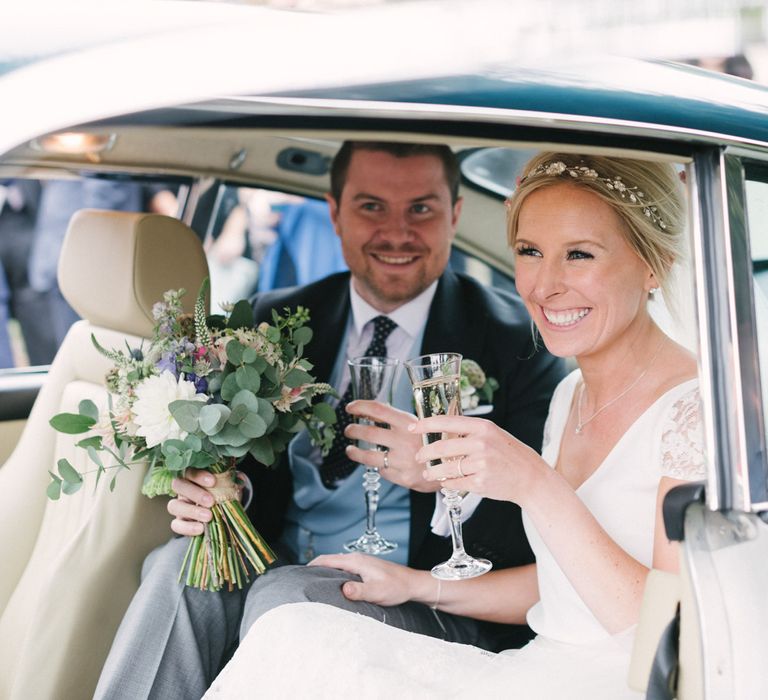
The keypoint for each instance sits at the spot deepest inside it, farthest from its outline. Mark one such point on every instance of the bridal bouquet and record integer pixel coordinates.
(206, 392)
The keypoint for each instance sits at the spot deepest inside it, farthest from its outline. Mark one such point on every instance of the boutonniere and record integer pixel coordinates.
(476, 389)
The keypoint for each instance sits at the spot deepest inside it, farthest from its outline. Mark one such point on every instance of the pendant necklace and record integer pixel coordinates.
(581, 423)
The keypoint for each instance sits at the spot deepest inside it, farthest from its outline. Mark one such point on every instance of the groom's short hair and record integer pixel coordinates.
(340, 164)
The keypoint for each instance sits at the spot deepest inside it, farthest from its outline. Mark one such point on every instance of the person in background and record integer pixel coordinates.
(395, 208)
(595, 239)
(59, 200)
(19, 201)
(6, 353)
(736, 64)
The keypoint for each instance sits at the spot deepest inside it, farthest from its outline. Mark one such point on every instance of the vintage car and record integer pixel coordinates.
(224, 106)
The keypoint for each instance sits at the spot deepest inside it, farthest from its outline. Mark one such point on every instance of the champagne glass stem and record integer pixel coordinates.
(452, 502)
(371, 485)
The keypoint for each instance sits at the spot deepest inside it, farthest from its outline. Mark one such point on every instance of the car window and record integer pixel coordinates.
(34, 215)
(255, 240)
(261, 239)
(757, 221)
(494, 170)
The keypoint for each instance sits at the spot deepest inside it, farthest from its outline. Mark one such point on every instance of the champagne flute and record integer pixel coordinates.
(371, 379)
(436, 392)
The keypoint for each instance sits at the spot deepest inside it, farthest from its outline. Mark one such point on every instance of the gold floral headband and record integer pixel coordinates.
(615, 184)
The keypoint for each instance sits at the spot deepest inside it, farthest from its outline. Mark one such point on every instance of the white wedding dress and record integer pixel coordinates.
(313, 650)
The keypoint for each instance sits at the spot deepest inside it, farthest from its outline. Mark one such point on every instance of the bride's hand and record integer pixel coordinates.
(383, 582)
(494, 464)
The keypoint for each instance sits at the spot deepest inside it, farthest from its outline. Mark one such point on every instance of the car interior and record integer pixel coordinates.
(73, 564)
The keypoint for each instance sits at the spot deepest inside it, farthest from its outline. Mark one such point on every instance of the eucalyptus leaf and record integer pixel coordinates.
(202, 460)
(302, 335)
(288, 420)
(230, 451)
(214, 383)
(259, 364)
(229, 435)
(248, 378)
(266, 410)
(172, 447)
(296, 377)
(194, 443)
(238, 413)
(241, 316)
(235, 352)
(270, 373)
(261, 450)
(245, 398)
(249, 355)
(186, 413)
(230, 387)
(68, 472)
(70, 487)
(273, 334)
(93, 441)
(174, 462)
(54, 490)
(253, 426)
(94, 455)
(213, 417)
(71, 423)
(87, 408)
(324, 412)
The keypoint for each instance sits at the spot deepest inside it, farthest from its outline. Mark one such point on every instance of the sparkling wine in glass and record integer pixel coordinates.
(436, 392)
(372, 379)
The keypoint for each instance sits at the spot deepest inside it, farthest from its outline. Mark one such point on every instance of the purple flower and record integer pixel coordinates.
(167, 362)
(201, 383)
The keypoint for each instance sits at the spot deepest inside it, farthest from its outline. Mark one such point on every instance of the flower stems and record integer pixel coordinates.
(227, 551)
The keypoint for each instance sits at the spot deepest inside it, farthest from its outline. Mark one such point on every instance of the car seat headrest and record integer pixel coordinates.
(114, 266)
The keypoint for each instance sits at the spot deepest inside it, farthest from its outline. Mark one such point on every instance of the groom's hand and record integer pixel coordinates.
(192, 505)
(401, 444)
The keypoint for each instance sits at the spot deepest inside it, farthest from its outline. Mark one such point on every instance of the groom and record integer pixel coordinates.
(395, 208)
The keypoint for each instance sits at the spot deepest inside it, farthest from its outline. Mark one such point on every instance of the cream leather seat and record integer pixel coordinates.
(70, 567)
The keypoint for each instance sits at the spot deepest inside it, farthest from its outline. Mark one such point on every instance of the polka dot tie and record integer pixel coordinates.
(336, 466)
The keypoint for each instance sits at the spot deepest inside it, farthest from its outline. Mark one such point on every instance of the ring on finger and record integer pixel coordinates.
(386, 459)
(458, 466)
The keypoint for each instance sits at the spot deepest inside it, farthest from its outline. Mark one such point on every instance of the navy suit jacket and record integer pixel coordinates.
(487, 325)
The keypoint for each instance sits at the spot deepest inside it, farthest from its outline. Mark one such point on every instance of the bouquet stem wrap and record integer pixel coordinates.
(229, 543)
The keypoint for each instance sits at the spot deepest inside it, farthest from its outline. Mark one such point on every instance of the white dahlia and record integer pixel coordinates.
(150, 409)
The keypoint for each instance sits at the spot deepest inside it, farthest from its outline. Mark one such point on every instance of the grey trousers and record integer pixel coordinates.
(174, 640)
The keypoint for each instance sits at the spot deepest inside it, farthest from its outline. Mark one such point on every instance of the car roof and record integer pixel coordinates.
(163, 54)
(619, 89)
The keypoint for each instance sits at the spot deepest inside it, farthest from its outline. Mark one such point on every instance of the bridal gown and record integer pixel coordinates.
(313, 650)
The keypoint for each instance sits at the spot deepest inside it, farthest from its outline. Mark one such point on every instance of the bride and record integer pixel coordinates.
(595, 238)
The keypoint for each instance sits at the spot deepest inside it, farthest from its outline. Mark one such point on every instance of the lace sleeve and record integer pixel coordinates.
(682, 454)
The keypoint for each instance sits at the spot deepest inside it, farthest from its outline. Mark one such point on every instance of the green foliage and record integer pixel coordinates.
(259, 386)
(241, 316)
(72, 423)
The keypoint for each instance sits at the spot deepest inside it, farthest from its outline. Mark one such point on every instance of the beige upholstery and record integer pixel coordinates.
(70, 567)
(660, 599)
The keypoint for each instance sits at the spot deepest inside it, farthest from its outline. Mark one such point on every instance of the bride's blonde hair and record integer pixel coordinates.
(646, 195)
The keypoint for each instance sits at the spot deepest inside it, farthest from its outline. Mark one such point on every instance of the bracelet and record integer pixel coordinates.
(437, 599)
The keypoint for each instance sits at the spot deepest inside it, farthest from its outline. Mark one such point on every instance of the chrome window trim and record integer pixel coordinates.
(372, 109)
(716, 339)
(746, 370)
(753, 410)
